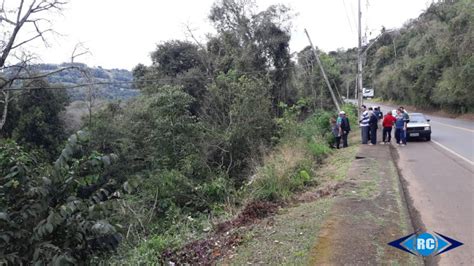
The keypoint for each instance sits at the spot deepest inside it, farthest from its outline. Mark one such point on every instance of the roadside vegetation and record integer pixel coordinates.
(427, 63)
(289, 237)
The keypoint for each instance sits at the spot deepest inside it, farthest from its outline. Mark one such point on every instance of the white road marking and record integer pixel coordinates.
(461, 128)
(453, 152)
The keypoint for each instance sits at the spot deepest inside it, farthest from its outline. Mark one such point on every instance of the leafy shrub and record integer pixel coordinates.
(289, 167)
(318, 150)
(54, 214)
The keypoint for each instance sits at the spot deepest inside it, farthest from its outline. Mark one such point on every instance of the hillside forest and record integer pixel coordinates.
(210, 128)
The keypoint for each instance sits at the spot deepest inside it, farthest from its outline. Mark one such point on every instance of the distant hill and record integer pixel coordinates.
(118, 82)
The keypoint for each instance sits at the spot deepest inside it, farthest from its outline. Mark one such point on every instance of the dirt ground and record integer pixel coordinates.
(370, 212)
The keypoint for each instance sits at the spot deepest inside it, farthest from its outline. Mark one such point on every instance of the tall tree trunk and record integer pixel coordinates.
(5, 109)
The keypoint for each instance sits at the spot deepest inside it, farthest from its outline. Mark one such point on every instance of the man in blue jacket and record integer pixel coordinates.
(400, 128)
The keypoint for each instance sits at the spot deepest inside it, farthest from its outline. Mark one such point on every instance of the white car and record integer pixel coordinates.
(418, 126)
(368, 93)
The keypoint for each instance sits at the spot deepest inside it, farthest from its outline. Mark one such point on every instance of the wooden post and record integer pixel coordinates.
(324, 73)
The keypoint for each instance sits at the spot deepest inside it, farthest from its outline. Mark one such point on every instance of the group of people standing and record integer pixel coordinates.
(369, 122)
(340, 129)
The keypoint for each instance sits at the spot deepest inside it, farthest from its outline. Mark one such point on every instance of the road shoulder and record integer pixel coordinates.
(362, 210)
(370, 213)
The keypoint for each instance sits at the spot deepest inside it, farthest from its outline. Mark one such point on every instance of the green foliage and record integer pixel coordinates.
(287, 123)
(163, 131)
(318, 150)
(310, 82)
(153, 131)
(238, 120)
(428, 62)
(34, 119)
(54, 214)
(291, 165)
(453, 87)
(176, 57)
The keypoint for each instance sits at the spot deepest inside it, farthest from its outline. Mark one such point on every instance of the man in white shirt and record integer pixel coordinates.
(364, 124)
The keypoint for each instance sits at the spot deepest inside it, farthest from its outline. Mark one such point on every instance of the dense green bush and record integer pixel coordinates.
(291, 165)
(55, 214)
(34, 119)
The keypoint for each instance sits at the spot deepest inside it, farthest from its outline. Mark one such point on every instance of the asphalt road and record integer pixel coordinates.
(440, 183)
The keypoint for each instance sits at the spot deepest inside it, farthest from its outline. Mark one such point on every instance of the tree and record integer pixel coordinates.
(238, 120)
(254, 43)
(428, 62)
(311, 82)
(176, 63)
(175, 57)
(39, 125)
(23, 23)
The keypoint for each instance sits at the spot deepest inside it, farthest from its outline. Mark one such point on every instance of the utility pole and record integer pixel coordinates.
(322, 71)
(355, 86)
(347, 89)
(359, 65)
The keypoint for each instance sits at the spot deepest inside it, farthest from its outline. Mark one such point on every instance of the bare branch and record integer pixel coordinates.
(23, 17)
(31, 39)
(76, 53)
(4, 18)
(19, 11)
(203, 58)
(44, 5)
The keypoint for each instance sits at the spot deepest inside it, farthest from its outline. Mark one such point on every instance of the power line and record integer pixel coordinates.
(131, 81)
(104, 83)
(347, 16)
(354, 20)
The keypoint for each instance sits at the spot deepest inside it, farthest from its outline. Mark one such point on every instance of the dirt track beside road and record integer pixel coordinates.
(369, 214)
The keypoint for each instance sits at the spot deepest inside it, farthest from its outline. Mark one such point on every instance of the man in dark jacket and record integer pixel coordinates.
(345, 128)
(373, 125)
(378, 113)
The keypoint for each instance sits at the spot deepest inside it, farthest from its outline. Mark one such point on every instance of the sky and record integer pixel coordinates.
(123, 33)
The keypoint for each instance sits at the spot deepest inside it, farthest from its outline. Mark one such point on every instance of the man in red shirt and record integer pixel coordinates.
(387, 124)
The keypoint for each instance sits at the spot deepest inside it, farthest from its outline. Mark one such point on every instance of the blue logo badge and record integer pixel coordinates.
(425, 244)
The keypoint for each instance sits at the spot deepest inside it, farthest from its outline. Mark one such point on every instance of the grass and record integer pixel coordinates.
(336, 165)
(287, 240)
(289, 237)
(367, 189)
(295, 162)
(291, 166)
(284, 172)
